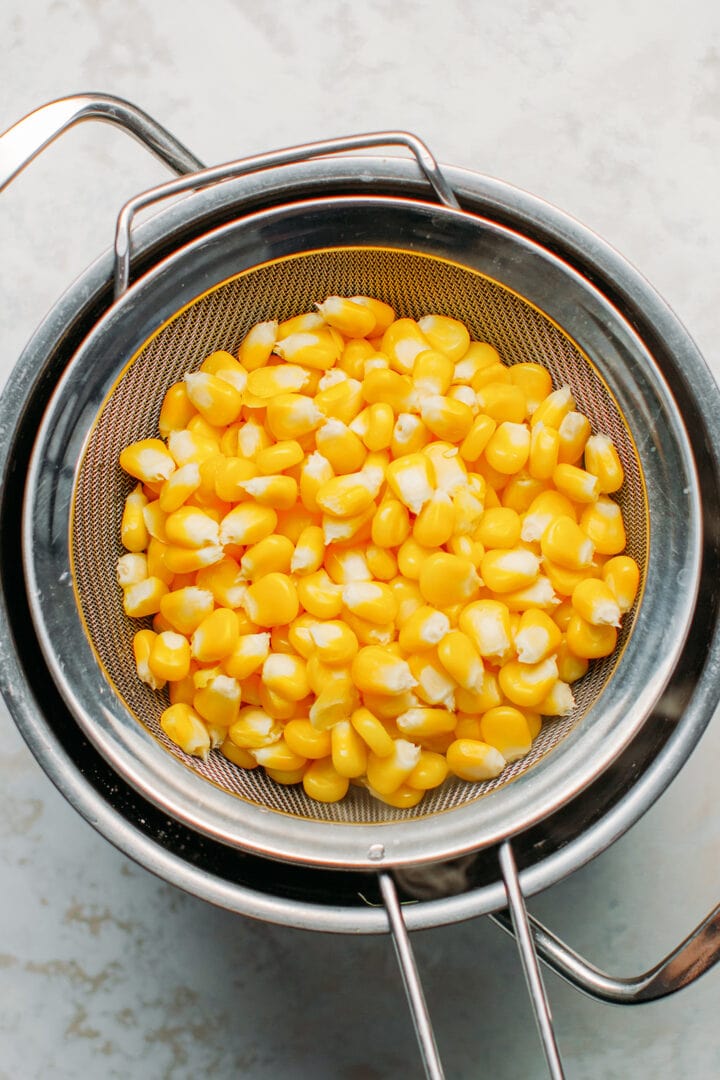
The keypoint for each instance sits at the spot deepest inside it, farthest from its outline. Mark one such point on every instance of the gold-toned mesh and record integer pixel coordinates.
(415, 285)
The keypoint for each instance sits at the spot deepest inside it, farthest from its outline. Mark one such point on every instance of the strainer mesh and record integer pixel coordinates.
(414, 285)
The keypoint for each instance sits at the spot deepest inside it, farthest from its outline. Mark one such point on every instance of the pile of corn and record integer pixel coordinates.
(372, 552)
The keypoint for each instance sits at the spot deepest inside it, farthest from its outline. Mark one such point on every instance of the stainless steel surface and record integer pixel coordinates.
(28, 137)
(529, 961)
(278, 158)
(411, 980)
(698, 953)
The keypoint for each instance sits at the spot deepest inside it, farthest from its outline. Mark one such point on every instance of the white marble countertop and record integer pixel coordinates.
(610, 111)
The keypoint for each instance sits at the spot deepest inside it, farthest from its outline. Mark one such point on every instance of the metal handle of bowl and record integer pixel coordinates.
(518, 924)
(22, 142)
(288, 156)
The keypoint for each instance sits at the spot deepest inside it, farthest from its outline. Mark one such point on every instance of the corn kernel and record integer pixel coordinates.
(567, 544)
(319, 595)
(186, 608)
(286, 676)
(290, 416)
(323, 782)
(349, 751)
(499, 528)
(336, 701)
(540, 594)
(424, 629)
(604, 526)
(570, 667)
(257, 345)
(434, 685)
(527, 684)
(382, 385)
(590, 642)
(226, 476)
(430, 771)
(471, 759)
(254, 728)
(547, 506)
(307, 741)
(509, 570)
(311, 348)
(602, 460)
(375, 670)
(248, 656)
(504, 402)
(335, 641)
(372, 732)
(554, 407)
(579, 486)
(216, 637)
(559, 702)
(186, 446)
(445, 417)
(131, 569)
(272, 600)
(191, 527)
(238, 756)
(448, 336)
(340, 446)
(432, 372)
(143, 642)
(217, 401)
(481, 431)
(447, 579)
(544, 451)
(169, 658)
(183, 726)
(535, 382)
(179, 486)
(594, 601)
(460, 658)
(573, 434)
(148, 461)
(218, 703)
(623, 577)
(507, 730)
(176, 410)
(300, 324)
(479, 701)
(402, 342)
(144, 597)
(536, 637)
(487, 624)
(247, 523)
(386, 774)
(417, 723)
(133, 530)
(435, 523)
(226, 367)
(508, 448)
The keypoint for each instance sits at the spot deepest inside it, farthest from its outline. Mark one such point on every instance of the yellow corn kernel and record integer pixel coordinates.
(300, 324)
(603, 523)
(459, 656)
(481, 431)
(432, 372)
(402, 342)
(468, 725)
(509, 570)
(534, 380)
(201, 427)
(536, 637)
(445, 417)
(544, 451)
(178, 487)
(176, 410)
(334, 641)
(435, 523)
(367, 632)
(186, 608)
(434, 685)
(157, 565)
(155, 520)
(183, 726)
(311, 348)
(411, 478)
(493, 373)
(252, 436)
(354, 356)
(323, 782)
(521, 490)
(381, 563)
(424, 629)
(409, 435)
(347, 495)
(396, 390)
(567, 544)
(307, 741)
(148, 461)
(570, 667)
(448, 336)
(602, 460)
(279, 457)
(377, 671)
(559, 702)
(216, 636)
(349, 751)
(373, 601)
(594, 601)
(508, 448)
(273, 554)
(143, 642)
(237, 755)
(254, 728)
(249, 654)
(544, 508)
(494, 481)
(391, 524)
(421, 722)
(131, 569)
(290, 416)
(169, 658)
(182, 690)
(320, 673)
(478, 355)
(218, 703)
(225, 581)
(503, 402)
(573, 434)
(308, 554)
(298, 635)
(280, 640)
(228, 440)
(286, 676)
(579, 486)
(247, 523)
(345, 564)
(290, 523)
(181, 560)
(487, 624)
(372, 732)
(468, 548)
(257, 345)
(133, 530)
(507, 730)
(353, 320)
(225, 366)
(266, 382)
(499, 528)
(187, 446)
(374, 425)
(342, 530)
(144, 597)
(386, 774)
(191, 527)
(218, 402)
(527, 684)
(403, 797)
(538, 595)
(471, 759)
(340, 446)
(554, 407)
(227, 476)
(479, 701)
(280, 491)
(384, 315)
(336, 701)
(272, 600)
(319, 595)
(623, 577)
(340, 400)
(430, 771)
(447, 579)
(315, 471)
(587, 641)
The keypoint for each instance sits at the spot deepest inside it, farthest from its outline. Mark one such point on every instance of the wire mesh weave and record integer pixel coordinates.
(414, 285)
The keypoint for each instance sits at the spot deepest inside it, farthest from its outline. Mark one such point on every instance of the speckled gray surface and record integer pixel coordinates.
(610, 111)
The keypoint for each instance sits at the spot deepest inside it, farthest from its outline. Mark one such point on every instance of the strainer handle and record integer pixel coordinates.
(288, 156)
(692, 958)
(28, 137)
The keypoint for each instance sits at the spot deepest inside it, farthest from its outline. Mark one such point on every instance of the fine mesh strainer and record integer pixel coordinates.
(421, 257)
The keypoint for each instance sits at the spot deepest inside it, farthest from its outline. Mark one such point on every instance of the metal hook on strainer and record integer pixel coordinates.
(419, 255)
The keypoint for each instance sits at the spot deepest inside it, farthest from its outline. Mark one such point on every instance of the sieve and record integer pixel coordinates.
(420, 256)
